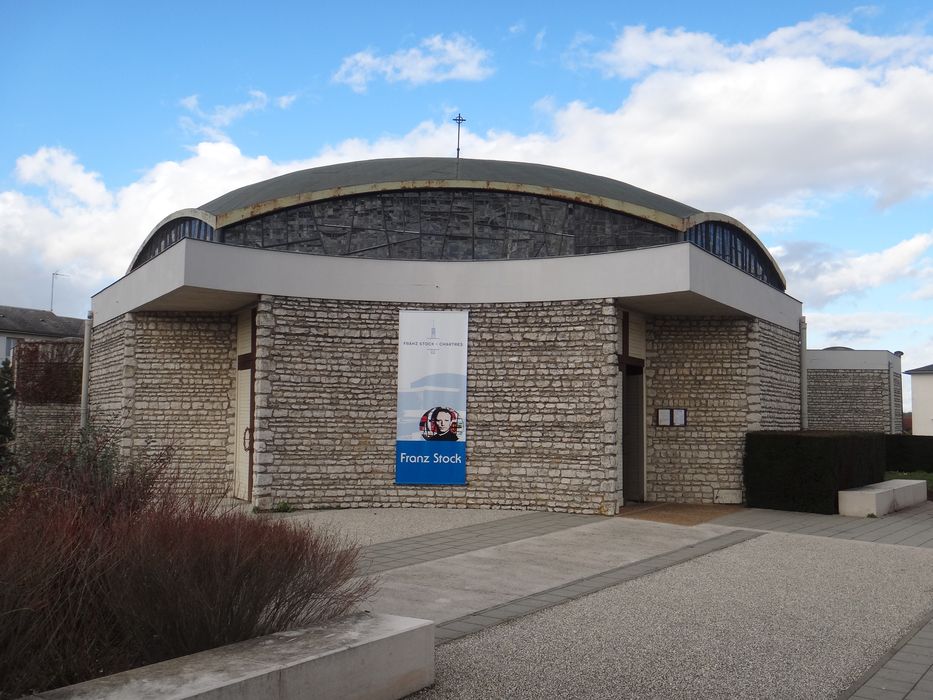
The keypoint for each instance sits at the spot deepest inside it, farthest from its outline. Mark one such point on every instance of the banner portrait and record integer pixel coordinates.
(430, 444)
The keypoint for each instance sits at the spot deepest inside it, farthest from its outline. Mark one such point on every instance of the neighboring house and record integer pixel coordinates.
(620, 344)
(47, 381)
(18, 324)
(854, 390)
(921, 381)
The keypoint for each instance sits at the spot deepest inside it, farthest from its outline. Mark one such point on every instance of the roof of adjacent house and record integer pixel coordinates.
(928, 369)
(14, 319)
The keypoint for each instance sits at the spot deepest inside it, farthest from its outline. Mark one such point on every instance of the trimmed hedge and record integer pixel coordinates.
(804, 471)
(909, 453)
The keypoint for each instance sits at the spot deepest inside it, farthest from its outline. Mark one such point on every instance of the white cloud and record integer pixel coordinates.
(818, 275)
(211, 124)
(74, 223)
(637, 51)
(539, 40)
(864, 329)
(517, 28)
(436, 59)
(925, 290)
(285, 101)
(63, 176)
(815, 108)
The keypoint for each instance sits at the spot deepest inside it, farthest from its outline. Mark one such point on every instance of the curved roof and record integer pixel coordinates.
(397, 174)
(444, 172)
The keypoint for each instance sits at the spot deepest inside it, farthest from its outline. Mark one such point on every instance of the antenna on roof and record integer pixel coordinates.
(459, 119)
(52, 295)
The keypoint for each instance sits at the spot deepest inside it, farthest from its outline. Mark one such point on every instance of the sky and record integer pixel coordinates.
(810, 122)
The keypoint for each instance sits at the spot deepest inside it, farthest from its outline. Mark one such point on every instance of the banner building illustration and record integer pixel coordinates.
(430, 445)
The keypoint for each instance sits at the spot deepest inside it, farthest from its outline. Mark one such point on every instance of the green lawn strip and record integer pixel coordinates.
(911, 475)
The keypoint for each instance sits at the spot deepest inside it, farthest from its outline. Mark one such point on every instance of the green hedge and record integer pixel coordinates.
(909, 453)
(804, 471)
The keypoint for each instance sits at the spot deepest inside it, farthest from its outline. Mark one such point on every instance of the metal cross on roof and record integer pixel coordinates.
(459, 119)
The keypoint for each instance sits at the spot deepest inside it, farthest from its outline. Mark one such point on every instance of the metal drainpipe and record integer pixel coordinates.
(86, 370)
(804, 417)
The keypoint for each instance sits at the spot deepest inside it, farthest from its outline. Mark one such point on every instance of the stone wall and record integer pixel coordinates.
(852, 399)
(47, 400)
(732, 375)
(778, 369)
(541, 406)
(47, 425)
(700, 364)
(897, 421)
(166, 381)
(108, 401)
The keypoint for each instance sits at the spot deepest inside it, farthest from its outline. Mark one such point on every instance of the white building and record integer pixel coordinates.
(921, 380)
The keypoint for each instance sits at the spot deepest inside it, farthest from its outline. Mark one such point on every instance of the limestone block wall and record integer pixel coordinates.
(108, 402)
(167, 379)
(853, 399)
(778, 370)
(47, 383)
(897, 420)
(700, 364)
(45, 425)
(541, 406)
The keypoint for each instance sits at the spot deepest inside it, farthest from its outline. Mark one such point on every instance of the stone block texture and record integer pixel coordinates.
(47, 421)
(731, 375)
(47, 424)
(542, 382)
(540, 414)
(165, 381)
(854, 399)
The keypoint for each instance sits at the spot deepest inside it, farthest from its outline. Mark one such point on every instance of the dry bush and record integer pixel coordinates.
(105, 566)
(192, 579)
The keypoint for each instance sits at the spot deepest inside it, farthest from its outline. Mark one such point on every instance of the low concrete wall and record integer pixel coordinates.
(364, 656)
(882, 498)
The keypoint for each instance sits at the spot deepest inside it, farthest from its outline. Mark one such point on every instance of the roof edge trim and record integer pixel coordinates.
(658, 217)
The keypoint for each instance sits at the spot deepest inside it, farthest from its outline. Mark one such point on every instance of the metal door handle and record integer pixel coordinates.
(247, 439)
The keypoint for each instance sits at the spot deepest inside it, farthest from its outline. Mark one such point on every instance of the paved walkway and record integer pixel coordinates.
(912, 526)
(905, 672)
(458, 573)
(539, 560)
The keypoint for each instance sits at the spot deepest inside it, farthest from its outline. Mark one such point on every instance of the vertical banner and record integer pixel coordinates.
(430, 443)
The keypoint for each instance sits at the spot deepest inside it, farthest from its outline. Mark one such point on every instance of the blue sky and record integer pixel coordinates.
(808, 121)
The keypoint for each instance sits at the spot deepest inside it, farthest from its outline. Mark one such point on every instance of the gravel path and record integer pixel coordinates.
(373, 525)
(780, 616)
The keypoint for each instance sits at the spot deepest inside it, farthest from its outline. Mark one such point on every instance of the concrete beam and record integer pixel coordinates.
(678, 278)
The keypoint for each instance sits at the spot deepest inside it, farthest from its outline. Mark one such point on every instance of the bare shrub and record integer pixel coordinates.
(192, 579)
(105, 566)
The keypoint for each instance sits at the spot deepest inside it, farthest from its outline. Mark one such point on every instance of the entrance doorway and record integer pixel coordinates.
(243, 440)
(633, 432)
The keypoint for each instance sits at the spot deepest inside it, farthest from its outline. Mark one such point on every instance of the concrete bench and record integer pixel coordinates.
(882, 498)
(361, 656)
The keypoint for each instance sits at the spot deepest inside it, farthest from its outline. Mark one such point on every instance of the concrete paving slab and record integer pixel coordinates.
(457, 586)
(373, 525)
